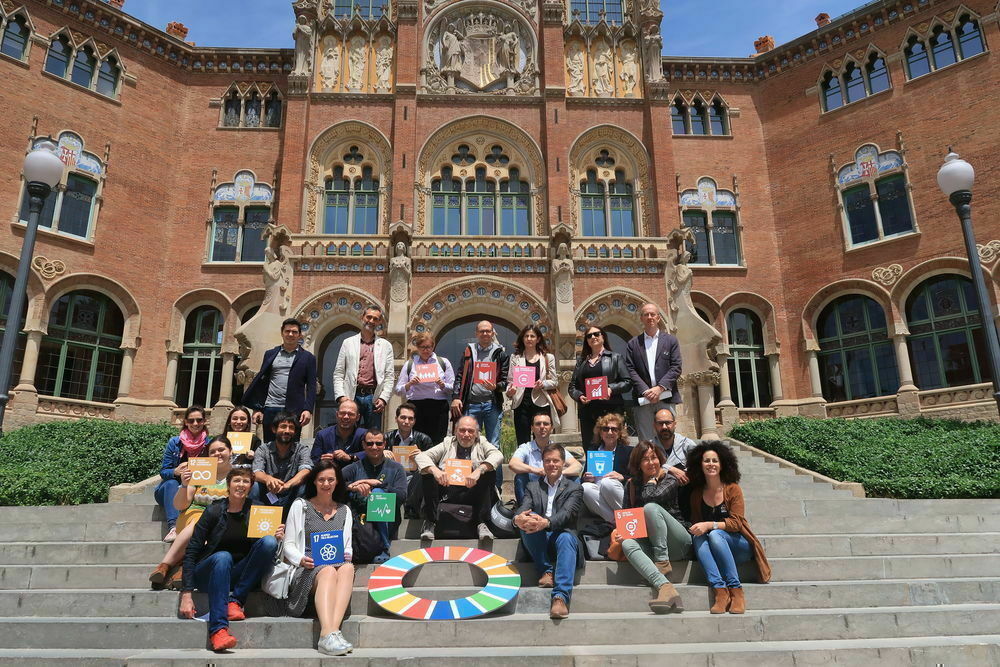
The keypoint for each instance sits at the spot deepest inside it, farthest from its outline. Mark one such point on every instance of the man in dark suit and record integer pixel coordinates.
(653, 359)
(547, 518)
(286, 381)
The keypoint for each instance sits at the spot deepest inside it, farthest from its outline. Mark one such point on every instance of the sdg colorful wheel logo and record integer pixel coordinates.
(386, 585)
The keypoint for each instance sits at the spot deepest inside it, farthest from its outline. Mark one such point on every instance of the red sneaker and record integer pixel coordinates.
(234, 612)
(222, 640)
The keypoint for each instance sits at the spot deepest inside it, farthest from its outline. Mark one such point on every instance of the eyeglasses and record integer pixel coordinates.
(593, 334)
(195, 420)
(610, 429)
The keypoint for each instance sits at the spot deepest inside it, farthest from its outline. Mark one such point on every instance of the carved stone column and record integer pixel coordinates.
(29, 363)
(907, 399)
(226, 385)
(125, 379)
(170, 377)
(706, 409)
(777, 393)
(814, 379)
(730, 413)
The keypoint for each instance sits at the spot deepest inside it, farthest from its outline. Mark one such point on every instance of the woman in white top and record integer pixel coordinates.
(432, 398)
(531, 350)
(323, 509)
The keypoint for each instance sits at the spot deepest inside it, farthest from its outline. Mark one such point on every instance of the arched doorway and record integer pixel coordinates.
(459, 333)
(618, 338)
(326, 406)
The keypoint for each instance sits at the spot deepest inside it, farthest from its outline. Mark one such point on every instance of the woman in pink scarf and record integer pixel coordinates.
(191, 442)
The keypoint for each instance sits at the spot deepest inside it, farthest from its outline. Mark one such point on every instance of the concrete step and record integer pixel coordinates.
(885, 652)
(96, 513)
(597, 572)
(580, 629)
(591, 598)
(103, 531)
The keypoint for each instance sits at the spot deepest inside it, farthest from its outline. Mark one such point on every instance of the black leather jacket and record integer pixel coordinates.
(208, 532)
(614, 368)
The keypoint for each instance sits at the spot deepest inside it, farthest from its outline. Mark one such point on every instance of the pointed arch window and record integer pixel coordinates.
(918, 63)
(446, 199)
(699, 119)
(199, 369)
(57, 60)
(942, 48)
(621, 206)
(253, 107)
(272, 110)
(592, 206)
(240, 214)
(607, 205)
(678, 117)
(107, 77)
(856, 358)
(875, 197)
(946, 342)
(711, 215)
(749, 374)
(878, 74)
(366, 193)
(83, 67)
(854, 83)
(719, 118)
(480, 205)
(515, 206)
(252, 116)
(15, 36)
(833, 96)
(970, 38)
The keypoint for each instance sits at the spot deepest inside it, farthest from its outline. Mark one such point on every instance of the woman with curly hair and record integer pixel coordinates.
(603, 495)
(722, 536)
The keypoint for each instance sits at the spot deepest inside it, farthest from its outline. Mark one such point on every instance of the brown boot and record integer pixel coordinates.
(176, 579)
(547, 580)
(158, 576)
(667, 600)
(721, 601)
(559, 610)
(738, 605)
(664, 567)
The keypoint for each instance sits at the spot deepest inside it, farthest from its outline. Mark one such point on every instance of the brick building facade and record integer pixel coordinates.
(521, 160)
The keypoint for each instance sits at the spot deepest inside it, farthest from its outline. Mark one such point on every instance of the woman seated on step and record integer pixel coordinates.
(656, 491)
(240, 421)
(190, 501)
(722, 536)
(324, 509)
(189, 443)
(603, 495)
(222, 561)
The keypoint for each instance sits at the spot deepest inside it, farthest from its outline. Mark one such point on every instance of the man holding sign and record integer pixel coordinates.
(478, 490)
(376, 477)
(479, 393)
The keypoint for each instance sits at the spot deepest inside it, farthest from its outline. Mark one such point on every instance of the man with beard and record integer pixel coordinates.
(280, 467)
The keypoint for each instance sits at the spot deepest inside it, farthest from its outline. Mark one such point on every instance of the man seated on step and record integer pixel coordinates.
(375, 474)
(478, 489)
(404, 435)
(344, 441)
(526, 462)
(675, 446)
(280, 467)
(546, 517)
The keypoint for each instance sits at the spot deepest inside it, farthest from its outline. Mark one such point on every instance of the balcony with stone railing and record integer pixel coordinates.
(880, 406)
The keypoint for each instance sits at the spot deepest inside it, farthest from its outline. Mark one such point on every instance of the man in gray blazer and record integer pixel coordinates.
(653, 359)
(547, 518)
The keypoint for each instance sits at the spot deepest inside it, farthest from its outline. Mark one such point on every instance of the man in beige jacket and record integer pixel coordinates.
(479, 485)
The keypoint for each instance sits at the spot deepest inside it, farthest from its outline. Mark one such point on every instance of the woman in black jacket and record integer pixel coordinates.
(222, 561)
(597, 360)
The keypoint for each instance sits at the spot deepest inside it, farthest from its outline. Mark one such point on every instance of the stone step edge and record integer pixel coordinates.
(856, 488)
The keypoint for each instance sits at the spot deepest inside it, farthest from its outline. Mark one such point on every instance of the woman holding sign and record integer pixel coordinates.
(607, 468)
(722, 535)
(318, 543)
(190, 442)
(532, 376)
(426, 380)
(600, 384)
(190, 501)
(655, 491)
(238, 429)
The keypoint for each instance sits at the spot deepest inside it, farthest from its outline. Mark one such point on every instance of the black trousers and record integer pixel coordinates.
(589, 414)
(523, 414)
(432, 418)
(481, 497)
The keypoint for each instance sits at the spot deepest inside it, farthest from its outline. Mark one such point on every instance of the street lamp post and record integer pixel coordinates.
(42, 171)
(955, 178)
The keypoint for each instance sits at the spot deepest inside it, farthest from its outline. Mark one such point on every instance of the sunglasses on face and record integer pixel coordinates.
(593, 334)
(195, 420)
(610, 429)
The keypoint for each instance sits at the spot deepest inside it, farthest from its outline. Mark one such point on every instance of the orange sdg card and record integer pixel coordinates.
(203, 470)
(631, 524)
(263, 521)
(240, 441)
(457, 470)
(404, 456)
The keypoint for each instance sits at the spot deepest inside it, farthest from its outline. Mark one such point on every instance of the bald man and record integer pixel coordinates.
(653, 359)
(482, 400)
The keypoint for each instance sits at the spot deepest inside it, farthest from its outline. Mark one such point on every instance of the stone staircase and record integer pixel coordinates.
(855, 582)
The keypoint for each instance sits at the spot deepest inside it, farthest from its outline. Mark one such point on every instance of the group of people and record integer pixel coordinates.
(688, 492)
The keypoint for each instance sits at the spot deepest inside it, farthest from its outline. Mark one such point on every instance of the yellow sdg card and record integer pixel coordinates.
(203, 470)
(240, 441)
(404, 456)
(263, 521)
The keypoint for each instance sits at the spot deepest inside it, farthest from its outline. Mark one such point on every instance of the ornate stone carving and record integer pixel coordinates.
(277, 274)
(62, 407)
(47, 268)
(358, 60)
(652, 48)
(708, 378)
(383, 65)
(303, 36)
(490, 293)
(329, 70)
(480, 51)
(989, 252)
(574, 70)
(400, 271)
(562, 274)
(603, 70)
(887, 275)
(630, 68)
(609, 136)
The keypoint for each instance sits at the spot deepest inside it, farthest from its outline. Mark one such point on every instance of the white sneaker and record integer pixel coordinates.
(484, 532)
(170, 536)
(334, 644)
(344, 642)
(428, 531)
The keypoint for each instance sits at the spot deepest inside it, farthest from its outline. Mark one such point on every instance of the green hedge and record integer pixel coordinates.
(68, 463)
(896, 458)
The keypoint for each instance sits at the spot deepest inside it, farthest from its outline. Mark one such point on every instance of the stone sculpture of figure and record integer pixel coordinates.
(383, 64)
(630, 68)
(277, 278)
(358, 59)
(574, 68)
(508, 51)
(452, 50)
(652, 49)
(603, 71)
(399, 274)
(303, 36)
(329, 71)
(562, 274)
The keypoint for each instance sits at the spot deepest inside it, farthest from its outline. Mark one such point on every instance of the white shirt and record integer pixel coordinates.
(406, 442)
(552, 495)
(650, 344)
(529, 453)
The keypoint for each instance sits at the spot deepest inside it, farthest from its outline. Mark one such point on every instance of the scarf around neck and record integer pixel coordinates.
(192, 445)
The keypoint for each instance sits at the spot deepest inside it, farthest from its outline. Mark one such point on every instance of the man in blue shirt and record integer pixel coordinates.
(526, 462)
(372, 474)
(342, 442)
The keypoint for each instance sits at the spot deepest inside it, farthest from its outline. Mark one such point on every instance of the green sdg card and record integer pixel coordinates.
(381, 507)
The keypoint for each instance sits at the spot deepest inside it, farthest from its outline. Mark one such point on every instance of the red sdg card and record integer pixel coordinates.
(631, 524)
(597, 388)
(484, 371)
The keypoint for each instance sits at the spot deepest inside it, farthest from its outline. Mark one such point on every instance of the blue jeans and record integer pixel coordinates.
(489, 417)
(719, 552)
(367, 417)
(164, 494)
(564, 545)
(521, 482)
(217, 575)
(385, 528)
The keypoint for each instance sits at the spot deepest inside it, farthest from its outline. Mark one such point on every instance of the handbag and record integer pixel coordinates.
(277, 582)
(557, 402)
(454, 521)
(615, 551)
(366, 543)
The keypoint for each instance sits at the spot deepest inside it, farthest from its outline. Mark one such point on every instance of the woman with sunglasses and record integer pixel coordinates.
(191, 501)
(191, 442)
(604, 494)
(241, 421)
(597, 360)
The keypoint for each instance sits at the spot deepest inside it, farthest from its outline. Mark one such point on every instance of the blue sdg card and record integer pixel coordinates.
(328, 548)
(600, 463)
